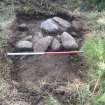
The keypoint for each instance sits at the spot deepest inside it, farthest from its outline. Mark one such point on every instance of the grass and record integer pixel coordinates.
(93, 4)
(50, 100)
(94, 53)
(6, 17)
(96, 21)
(94, 49)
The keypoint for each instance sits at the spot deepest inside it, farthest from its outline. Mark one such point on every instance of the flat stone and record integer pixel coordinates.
(42, 44)
(23, 44)
(62, 22)
(68, 42)
(49, 26)
(55, 45)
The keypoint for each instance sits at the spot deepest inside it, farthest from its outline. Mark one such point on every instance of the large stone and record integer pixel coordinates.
(55, 45)
(49, 26)
(62, 22)
(42, 44)
(23, 44)
(36, 37)
(55, 24)
(68, 41)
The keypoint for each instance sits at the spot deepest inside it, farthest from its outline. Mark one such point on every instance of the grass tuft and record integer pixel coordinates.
(50, 100)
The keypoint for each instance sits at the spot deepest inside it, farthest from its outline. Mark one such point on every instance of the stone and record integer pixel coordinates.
(36, 37)
(59, 37)
(79, 26)
(49, 26)
(28, 38)
(42, 44)
(68, 42)
(55, 45)
(75, 34)
(1, 28)
(23, 27)
(62, 22)
(55, 25)
(76, 25)
(23, 44)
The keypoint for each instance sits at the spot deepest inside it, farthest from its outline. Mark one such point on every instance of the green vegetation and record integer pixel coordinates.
(95, 55)
(93, 4)
(94, 52)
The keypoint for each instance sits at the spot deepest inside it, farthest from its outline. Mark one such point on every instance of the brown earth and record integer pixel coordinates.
(48, 73)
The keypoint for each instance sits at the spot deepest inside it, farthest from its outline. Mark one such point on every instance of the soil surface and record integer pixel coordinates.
(51, 70)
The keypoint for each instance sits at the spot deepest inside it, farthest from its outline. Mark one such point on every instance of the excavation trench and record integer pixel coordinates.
(52, 73)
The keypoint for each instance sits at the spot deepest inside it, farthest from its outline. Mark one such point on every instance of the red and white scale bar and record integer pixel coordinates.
(44, 53)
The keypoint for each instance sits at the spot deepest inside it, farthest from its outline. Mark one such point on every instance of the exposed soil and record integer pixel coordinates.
(47, 72)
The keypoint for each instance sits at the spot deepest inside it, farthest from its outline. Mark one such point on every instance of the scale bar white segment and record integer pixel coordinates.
(25, 53)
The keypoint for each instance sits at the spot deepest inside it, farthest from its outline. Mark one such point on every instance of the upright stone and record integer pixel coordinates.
(36, 37)
(68, 41)
(55, 45)
(42, 44)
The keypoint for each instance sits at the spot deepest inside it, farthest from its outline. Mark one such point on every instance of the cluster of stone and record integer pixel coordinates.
(55, 34)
